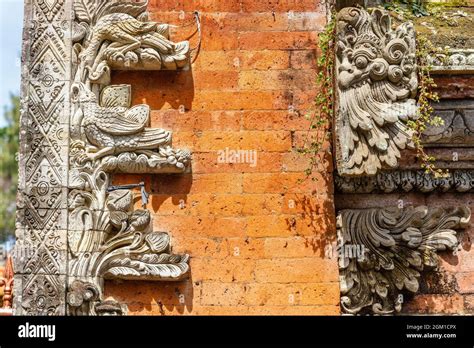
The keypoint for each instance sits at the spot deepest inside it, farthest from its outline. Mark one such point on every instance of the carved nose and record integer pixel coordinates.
(346, 66)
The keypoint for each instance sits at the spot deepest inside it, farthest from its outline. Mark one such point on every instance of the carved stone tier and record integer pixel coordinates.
(376, 78)
(407, 181)
(458, 127)
(457, 61)
(394, 246)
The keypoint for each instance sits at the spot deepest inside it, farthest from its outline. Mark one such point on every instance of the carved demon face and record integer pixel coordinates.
(368, 50)
(376, 80)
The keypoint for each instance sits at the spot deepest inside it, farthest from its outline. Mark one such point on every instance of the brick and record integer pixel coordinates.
(284, 183)
(279, 5)
(217, 61)
(289, 225)
(277, 40)
(245, 140)
(306, 21)
(293, 247)
(245, 248)
(201, 226)
(431, 304)
(264, 60)
(246, 100)
(303, 59)
(294, 310)
(195, 121)
(200, 5)
(469, 304)
(261, 204)
(465, 282)
(296, 270)
(210, 247)
(187, 183)
(222, 294)
(208, 163)
(214, 269)
(265, 294)
(274, 120)
(180, 293)
(276, 79)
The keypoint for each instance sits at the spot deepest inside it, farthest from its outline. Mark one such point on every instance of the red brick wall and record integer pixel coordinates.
(252, 250)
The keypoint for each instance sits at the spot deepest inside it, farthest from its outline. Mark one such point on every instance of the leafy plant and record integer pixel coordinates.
(319, 130)
(9, 144)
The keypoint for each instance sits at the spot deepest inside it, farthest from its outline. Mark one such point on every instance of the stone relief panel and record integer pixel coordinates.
(458, 127)
(376, 77)
(40, 251)
(460, 61)
(107, 237)
(407, 181)
(385, 250)
(73, 229)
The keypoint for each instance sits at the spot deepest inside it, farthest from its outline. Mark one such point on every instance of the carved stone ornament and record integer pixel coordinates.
(407, 181)
(456, 61)
(107, 238)
(376, 78)
(393, 246)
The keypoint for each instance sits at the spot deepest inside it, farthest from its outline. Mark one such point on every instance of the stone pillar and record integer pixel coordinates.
(41, 250)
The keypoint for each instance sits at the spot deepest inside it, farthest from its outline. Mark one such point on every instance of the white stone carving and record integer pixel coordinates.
(376, 80)
(107, 238)
(394, 246)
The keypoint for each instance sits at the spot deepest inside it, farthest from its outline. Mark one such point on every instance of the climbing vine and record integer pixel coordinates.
(426, 97)
(319, 129)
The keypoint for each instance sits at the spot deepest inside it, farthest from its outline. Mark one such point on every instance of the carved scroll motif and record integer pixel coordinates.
(107, 237)
(406, 181)
(376, 78)
(396, 246)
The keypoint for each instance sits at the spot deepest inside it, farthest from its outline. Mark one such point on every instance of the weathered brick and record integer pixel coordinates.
(214, 269)
(279, 5)
(430, 304)
(208, 162)
(268, 294)
(264, 60)
(277, 40)
(196, 121)
(465, 282)
(201, 226)
(296, 270)
(274, 120)
(222, 294)
(195, 183)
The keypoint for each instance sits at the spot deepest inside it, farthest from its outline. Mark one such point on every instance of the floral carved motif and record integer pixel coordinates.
(397, 245)
(107, 237)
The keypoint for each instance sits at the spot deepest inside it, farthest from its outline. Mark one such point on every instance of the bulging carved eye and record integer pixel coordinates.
(361, 62)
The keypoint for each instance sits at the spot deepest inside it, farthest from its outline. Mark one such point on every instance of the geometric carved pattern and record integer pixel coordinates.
(40, 251)
(461, 180)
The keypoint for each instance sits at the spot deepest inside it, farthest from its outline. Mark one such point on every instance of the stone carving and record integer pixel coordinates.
(397, 245)
(111, 240)
(43, 161)
(455, 61)
(458, 127)
(107, 238)
(406, 181)
(376, 78)
(6, 282)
